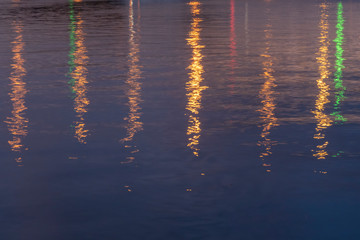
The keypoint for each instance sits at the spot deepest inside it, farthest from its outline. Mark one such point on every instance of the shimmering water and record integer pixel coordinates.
(200, 119)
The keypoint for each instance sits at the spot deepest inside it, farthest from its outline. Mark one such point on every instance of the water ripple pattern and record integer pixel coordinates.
(323, 120)
(267, 96)
(193, 86)
(134, 123)
(18, 123)
(78, 73)
(339, 66)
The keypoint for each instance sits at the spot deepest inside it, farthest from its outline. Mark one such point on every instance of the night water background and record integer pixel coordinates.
(177, 119)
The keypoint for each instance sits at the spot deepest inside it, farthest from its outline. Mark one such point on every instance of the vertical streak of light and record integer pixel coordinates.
(232, 46)
(323, 120)
(232, 31)
(266, 95)
(339, 66)
(134, 123)
(246, 27)
(193, 86)
(78, 73)
(138, 11)
(17, 123)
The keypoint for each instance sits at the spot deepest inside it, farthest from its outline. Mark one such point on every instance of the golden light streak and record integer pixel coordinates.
(266, 95)
(134, 123)
(193, 86)
(79, 87)
(323, 120)
(17, 123)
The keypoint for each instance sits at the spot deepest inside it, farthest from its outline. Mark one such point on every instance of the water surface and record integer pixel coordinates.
(177, 119)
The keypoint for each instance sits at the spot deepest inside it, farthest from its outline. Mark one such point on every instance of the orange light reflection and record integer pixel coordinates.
(17, 123)
(193, 86)
(323, 120)
(79, 74)
(266, 95)
(134, 123)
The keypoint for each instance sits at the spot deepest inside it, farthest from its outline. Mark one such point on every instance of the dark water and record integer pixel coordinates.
(177, 119)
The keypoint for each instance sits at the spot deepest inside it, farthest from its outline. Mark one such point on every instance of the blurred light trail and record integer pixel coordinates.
(323, 120)
(78, 73)
(266, 94)
(193, 86)
(134, 123)
(339, 66)
(246, 27)
(233, 52)
(232, 33)
(17, 123)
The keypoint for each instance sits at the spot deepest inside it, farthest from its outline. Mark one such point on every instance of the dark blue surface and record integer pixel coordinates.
(142, 67)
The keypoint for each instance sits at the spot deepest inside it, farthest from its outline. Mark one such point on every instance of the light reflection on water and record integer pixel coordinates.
(234, 89)
(267, 96)
(340, 89)
(193, 86)
(339, 66)
(323, 120)
(232, 34)
(246, 27)
(134, 123)
(18, 123)
(232, 46)
(78, 73)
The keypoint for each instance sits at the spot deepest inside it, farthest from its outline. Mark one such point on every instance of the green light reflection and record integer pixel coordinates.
(77, 62)
(339, 66)
(72, 37)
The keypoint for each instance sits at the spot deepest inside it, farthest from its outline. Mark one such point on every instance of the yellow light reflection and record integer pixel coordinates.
(323, 120)
(17, 123)
(78, 74)
(266, 95)
(134, 123)
(193, 86)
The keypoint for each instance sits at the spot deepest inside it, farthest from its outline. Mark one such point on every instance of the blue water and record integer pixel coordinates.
(201, 119)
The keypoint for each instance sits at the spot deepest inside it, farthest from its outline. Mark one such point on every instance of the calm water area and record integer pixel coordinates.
(174, 119)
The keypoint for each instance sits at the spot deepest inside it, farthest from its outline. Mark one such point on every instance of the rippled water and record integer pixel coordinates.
(200, 119)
